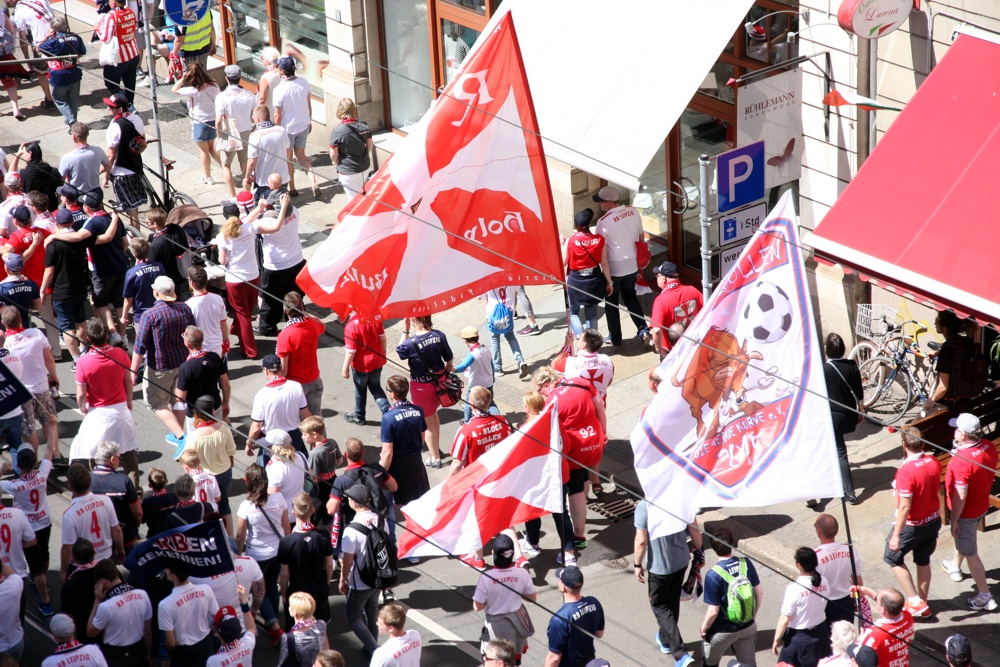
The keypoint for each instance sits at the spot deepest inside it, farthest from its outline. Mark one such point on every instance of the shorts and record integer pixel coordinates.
(159, 387)
(240, 155)
(965, 543)
(38, 555)
(39, 409)
(424, 396)
(298, 140)
(921, 540)
(40, 67)
(203, 131)
(129, 190)
(108, 290)
(70, 312)
(577, 480)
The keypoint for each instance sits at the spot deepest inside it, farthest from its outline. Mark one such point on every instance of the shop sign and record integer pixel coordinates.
(185, 12)
(741, 225)
(771, 109)
(871, 19)
(729, 257)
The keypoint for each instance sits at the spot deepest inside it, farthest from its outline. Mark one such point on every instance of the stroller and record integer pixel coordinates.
(200, 231)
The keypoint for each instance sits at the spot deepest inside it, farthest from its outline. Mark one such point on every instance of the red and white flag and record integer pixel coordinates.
(518, 479)
(463, 206)
(741, 418)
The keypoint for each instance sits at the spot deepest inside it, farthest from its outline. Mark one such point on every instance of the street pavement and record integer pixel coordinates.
(438, 591)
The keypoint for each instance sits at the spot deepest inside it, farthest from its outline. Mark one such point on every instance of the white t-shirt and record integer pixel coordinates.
(803, 607)
(246, 571)
(262, 538)
(189, 611)
(288, 478)
(237, 654)
(355, 543)
(11, 632)
(13, 365)
(597, 367)
(114, 135)
(30, 494)
(202, 103)
(269, 146)
(209, 312)
(292, 98)
(494, 589)
(123, 617)
(507, 294)
(241, 264)
(278, 405)
(237, 103)
(26, 16)
(207, 489)
(835, 566)
(90, 516)
(621, 227)
(29, 345)
(283, 248)
(16, 530)
(85, 655)
(7, 224)
(401, 651)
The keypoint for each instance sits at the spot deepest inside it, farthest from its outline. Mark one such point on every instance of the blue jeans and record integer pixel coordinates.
(514, 346)
(589, 314)
(67, 99)
(494, 410)
(362, 616)
(364, 383)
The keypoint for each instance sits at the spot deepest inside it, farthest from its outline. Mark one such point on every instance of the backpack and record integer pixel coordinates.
(292, 659)
(740, 601)
(380, 569)
(365, 476)
(973, 372)
(501, 319)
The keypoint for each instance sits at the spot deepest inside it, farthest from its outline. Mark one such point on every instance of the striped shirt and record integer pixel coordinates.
(119, 23)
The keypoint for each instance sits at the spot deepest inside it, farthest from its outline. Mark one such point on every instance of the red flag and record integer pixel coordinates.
(474, 174)
(516, 480)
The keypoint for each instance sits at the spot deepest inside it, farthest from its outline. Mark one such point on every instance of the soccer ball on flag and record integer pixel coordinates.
(768, 313)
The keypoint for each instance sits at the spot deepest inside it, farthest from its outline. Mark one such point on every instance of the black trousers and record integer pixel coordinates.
(843, 423)
(121, 79)
(624, 291)
(665, 599)
(274, 286)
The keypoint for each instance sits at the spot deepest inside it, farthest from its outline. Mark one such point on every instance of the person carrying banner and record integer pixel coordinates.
(843, 385)
(588, 273)
(186, 617)
(428, 356)
(918, 520)
(499, 592)
(68, 650)
(835, 566)
(237, 643)
(91, 516)
(124, 614)
(730, 619)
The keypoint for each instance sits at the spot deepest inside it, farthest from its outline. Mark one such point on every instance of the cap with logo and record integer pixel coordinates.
(570, 576)
(607, 194)
(228, 624)
(666, 269)
(117, 101)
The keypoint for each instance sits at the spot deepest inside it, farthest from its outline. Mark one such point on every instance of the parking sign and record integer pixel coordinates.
(740, 177)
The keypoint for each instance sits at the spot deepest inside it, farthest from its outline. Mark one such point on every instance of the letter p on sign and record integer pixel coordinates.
(740, 176)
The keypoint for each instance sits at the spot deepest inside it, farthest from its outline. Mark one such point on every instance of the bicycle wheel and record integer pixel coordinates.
(178, 198)
(863, 351)
(152, 196)
(887, 391)
(131, 233)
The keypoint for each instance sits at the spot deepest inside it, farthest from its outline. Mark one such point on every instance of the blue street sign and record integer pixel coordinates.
(740, 177)
(185, 12)
(728, 229)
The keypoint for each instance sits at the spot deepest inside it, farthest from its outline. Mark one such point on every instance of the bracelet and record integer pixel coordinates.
(244, 607)
(406, 332)
(636, 566)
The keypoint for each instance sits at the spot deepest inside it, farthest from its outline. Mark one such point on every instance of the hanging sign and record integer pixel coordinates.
(871, 19)
(185, 12)
(770, 109)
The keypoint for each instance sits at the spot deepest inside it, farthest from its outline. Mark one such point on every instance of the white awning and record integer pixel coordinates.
(609, 80)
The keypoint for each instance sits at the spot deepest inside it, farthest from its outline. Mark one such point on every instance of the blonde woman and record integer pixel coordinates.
(270, 79)
(309, 634)
(213, 441)
(197, 85)
(533, 404)
(236, 253)
(842, 635)
(286, 473)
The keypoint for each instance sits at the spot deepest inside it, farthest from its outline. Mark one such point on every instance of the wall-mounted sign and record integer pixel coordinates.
(740, 225)
(871, 19)
(770, 109)
(740, 176)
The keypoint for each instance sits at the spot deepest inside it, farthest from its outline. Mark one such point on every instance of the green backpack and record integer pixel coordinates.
(740, 601)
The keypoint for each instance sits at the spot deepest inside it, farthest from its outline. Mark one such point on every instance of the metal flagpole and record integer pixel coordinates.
(704, 163)
(854, 571)
(151, 66)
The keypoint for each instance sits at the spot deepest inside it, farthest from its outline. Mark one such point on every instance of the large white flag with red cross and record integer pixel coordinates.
(463, 205)
(516, 480)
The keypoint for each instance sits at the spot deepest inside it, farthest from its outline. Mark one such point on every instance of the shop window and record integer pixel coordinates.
(302, 27)
(251, 36)
(407, 58)
(478, 6)
(456, 41)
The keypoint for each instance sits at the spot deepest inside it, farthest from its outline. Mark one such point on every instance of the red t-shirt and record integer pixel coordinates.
(34, 268)
(891, 640)
(583, 437)
(477, 436)
(585, 250)
(676, 303)
(966, 469)
(103, 371)
(299, 342)
(920, 478)
(364, 339)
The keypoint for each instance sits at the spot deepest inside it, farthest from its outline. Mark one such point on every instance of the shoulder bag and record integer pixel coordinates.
(228, 139)
(110, 55)
(449, 385)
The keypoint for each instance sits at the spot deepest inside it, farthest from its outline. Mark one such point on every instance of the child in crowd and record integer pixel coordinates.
(205, 482)
(324, 457)
(478, 368)
(158, 504)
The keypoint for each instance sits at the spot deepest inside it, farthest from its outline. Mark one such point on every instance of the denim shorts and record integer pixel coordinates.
(203, 131)
(70, 312)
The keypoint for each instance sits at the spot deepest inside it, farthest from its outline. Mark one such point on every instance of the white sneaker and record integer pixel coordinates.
(983, 601)
(207, 180)
(528, 549)
(953, 571)
(144, 83)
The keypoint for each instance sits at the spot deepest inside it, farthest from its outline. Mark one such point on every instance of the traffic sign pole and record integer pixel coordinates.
(704, 170)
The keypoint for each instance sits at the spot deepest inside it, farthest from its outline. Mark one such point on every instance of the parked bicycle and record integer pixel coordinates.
(174, 197)
(888, 379)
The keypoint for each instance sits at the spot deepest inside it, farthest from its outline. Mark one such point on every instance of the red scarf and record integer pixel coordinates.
(71, 645)
(303, 625)
(276, 382)
(304, 527)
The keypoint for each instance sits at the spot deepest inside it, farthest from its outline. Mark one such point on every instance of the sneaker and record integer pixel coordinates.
(645, 335)
(524, 370)
(579, 543)
(981, 602)
(522, 562)
(529, 331)
(177, 442)
(207, 180)
(352, 418)
(563, 559)
(412, 560)
(686, 661)
(953, 571)
(45, 608)
(388, 596)
(528, 549)
(611, 343)
(663, 649)
(473, 560)
(145, 83)
(919, 610)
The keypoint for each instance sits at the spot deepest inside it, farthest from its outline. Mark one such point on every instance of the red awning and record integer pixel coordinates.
(920, 216)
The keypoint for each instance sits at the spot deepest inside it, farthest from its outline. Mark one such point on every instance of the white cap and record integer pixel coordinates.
(967, 423)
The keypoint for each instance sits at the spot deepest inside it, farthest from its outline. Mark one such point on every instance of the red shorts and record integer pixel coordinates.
(424, 396)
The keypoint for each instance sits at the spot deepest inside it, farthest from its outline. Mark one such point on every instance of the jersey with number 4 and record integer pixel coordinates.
(91, 517)
(14, 532)
(207, 488)
(30, 494)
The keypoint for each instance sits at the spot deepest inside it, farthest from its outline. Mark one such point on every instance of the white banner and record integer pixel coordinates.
(771, 109)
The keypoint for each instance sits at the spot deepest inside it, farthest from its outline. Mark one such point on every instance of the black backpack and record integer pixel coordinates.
(365, 476)
(381, 566)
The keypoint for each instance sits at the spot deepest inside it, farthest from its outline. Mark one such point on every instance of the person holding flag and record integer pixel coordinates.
(237, 645)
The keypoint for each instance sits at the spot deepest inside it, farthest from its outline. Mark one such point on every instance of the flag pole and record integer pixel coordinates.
(850, 557)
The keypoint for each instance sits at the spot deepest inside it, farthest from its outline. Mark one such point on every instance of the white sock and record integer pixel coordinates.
(915, 599)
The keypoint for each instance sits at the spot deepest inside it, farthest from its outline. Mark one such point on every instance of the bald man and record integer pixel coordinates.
(834, 563)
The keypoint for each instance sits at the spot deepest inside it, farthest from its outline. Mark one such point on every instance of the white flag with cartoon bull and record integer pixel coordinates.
(741, 417)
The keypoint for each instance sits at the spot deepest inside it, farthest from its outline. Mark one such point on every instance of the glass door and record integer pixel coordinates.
(247, 33)
(303, 36)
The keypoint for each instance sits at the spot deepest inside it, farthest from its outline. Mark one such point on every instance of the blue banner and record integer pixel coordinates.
(185, 12)
(13, 394)
(201, 548)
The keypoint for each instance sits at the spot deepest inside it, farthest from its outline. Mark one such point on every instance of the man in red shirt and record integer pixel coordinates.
(27, 241)
(297, 344)
(968, 483)
(891, 634)
(917, 522)
(364, 347)
(677, 303)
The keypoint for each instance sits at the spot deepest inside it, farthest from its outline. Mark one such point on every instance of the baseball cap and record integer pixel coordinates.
(62, 626)
(117, 101)
(503, 550)
(14, 262)
(205, 405)
(244, 197)
(864, 656)
(607, 193)
(93, 199)
(64, 216)
(164, 287)
(21, 213)
(286, 64)
(966, 423)
(583, 218)
(277, 437)
(469, 332)
(68, 190)
(570, 576)
(233, 72)
(228, 624)
(359, 493)
(26, 458)
(271, 362)
(959, 650)
(666, 269)
(12, 181)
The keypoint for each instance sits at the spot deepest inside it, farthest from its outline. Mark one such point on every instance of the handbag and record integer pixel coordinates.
(228, 139)
(109, 55)
(449, 385)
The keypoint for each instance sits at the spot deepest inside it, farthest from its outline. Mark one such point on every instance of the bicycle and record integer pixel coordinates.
(174, 196)
(888, 380)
